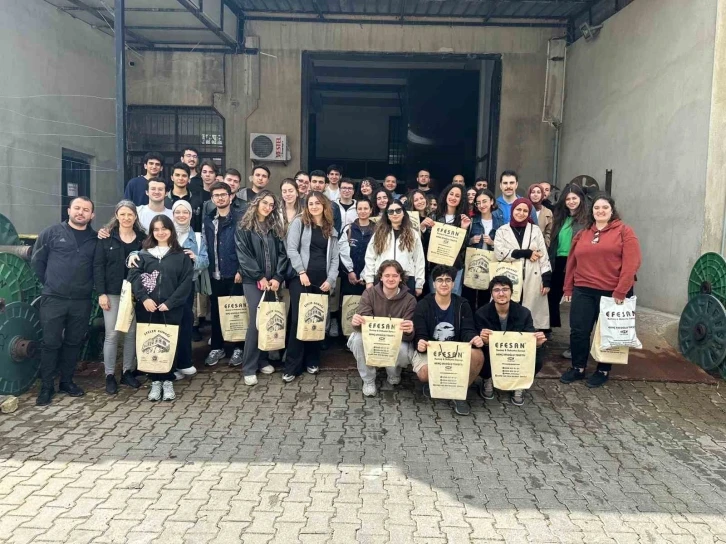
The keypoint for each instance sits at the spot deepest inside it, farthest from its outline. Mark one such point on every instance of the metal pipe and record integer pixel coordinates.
(120, 46)
(24, 252)
(556, 159)
(405, 22)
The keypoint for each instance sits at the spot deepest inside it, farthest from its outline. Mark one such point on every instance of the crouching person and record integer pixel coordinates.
(501, 314)
(444, 317)
(389, 298)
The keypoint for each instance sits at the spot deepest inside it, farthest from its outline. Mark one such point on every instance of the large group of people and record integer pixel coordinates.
(184, 243)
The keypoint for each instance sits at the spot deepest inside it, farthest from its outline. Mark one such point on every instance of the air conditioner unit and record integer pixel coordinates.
(268, 147)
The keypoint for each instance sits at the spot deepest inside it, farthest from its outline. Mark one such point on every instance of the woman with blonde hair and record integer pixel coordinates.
(261, 253)
(312, 247)
(395, 238)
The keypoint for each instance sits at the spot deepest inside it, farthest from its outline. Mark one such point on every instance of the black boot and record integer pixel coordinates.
(45, 395)
(129, 379)
(111, 385)
(70, 389)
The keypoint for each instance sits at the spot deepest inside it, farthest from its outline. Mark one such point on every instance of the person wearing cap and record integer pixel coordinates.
(259, 179)
(522, 240)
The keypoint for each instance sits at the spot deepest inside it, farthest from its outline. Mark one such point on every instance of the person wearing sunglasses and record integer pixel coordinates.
(395, 238)
(504, 315)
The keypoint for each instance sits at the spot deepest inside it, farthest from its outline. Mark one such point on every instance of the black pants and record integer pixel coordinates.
(300, 354)
(183, 358)
(60, 351)
(557, 285)
(226, 287)
(486, 369)
(583, 316)
(171, 317)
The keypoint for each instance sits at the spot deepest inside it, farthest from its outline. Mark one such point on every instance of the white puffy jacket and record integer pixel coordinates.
(413, 262)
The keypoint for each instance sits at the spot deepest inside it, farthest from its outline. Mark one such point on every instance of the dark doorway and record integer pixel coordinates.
(379, 114)
(75, 179)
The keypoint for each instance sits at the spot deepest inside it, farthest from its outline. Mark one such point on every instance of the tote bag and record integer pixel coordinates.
(476, 268)
(616, 356)
(617, 323)
(445, 243)
(125, 308)
(381, 340)
(350, 308)
(512, 356)
(271, 324)
(514, 271)
(155, 347)
(234, 318)
(312, 312)
(449, 364)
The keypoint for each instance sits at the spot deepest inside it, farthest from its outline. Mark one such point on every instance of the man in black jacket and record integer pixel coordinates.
(444, 317)
(504, 315)
(63, 261)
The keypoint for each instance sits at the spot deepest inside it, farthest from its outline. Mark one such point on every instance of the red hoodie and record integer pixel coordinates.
(609, 265)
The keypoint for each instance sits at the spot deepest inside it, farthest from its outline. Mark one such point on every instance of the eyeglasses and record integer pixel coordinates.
(395, 211)
(220, 195)
(346, 188)
(501, 290)
(443, 281)
(188, 156)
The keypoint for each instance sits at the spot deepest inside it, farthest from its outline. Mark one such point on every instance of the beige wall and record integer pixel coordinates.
(193, 79)
(638, 101)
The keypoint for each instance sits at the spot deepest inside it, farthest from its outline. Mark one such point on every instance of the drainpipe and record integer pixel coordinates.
(556, 159)
(120, 48)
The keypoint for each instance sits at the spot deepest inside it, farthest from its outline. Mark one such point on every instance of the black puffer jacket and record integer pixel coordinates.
(109, 263)
(260, 256)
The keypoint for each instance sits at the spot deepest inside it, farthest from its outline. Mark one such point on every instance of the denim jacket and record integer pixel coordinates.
(477, 228)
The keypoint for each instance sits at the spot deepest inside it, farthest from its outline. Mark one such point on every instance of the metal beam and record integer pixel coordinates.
(149, 10)
(527, 22)
(120, 47)
(106, 16)
(206, 21)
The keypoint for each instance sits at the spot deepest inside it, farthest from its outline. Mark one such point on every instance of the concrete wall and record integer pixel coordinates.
(638, 101)
(46, 52)
(276, 78)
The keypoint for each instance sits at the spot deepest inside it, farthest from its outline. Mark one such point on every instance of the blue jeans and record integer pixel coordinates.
(458, 283)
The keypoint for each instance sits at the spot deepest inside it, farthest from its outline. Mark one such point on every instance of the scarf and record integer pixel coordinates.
(182, 231)
(537, 205)
(519, 224)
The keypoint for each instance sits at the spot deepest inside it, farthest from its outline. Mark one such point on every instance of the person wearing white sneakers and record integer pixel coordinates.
(161, 283)
(261, 254)
(389, 298)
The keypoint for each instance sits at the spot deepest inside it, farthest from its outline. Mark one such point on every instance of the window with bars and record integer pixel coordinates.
(168, 130)
(396, 141)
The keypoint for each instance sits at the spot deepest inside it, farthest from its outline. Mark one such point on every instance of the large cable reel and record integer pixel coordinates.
(708, 277)
(21, 336)
(18, 283)
(702, 332)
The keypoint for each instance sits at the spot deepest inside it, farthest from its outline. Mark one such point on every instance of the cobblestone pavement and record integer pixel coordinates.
(313, 461)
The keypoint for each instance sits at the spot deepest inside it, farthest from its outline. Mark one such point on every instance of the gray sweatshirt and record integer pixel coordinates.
(298, 249)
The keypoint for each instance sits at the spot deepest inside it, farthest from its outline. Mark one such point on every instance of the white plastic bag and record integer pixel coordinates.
(617, 324)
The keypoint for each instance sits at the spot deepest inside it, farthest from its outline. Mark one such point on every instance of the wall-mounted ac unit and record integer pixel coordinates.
(268, 147)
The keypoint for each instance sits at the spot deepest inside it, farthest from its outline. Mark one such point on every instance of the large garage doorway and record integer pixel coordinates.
(379, 114)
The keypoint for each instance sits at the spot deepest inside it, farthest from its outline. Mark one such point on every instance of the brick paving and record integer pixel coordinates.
(314, 462)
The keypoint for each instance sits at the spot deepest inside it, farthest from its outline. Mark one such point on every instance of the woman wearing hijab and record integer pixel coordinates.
(196, 249)
(544, 214)
(522, 240)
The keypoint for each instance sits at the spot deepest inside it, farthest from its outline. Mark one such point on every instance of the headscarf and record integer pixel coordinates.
(537, 205)
(182, 231)
(513, 222)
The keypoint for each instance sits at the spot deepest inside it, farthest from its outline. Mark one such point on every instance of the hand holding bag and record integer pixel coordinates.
(617, 323)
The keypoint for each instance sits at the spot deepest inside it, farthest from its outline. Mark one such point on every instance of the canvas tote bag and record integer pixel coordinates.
(512, 356)
(312, 312)
(125, 308)
(350, 308)
(514, 271)
(234, 318)
(271, 324)
(155, 347)
(617, 355)
(476, 268)
(445, 243)
(381, 340)
(449, 364)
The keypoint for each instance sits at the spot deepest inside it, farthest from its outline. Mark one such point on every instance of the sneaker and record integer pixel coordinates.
(567, 354)
(214, 357)
(236, 358)
(287, 378)
(426, 391)
(155, 392)
(597, 379)
(178, 376)
(486, 389)
(129, 379)
(188, 372)
(45, 395)
(333, 328)
(369, 389)
(70, 389)
(196, 335)
(573, 374)
(461, 407)
(268, 369)
(313, 369)
(251, 380)
(517, 397)
(168, 388)
(393, 380)
(111, 385)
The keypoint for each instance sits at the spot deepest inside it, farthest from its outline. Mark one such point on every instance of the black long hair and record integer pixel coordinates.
(443, 208)
(562, 212)
(151, 242)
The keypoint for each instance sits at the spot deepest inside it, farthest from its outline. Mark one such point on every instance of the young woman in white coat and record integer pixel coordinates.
(523, 240)
(395, 238)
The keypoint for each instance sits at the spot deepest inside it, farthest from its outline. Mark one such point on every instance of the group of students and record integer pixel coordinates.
(327, 231)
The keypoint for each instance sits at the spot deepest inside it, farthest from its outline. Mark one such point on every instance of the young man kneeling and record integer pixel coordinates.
(504, 315)
(389, 298)
(444, 317)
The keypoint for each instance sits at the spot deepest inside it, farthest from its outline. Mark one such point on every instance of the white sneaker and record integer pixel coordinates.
(178, 376)
(313, 369)
(155, 393)
(214, 357)
(369, 389)
(251, 380)
(333, 333)
(287, 378)
(236, 358)
(168, 388)
(188, 372)
(268, 369)
(394, 380)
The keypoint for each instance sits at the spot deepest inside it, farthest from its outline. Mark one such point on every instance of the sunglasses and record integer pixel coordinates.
(395, 211)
